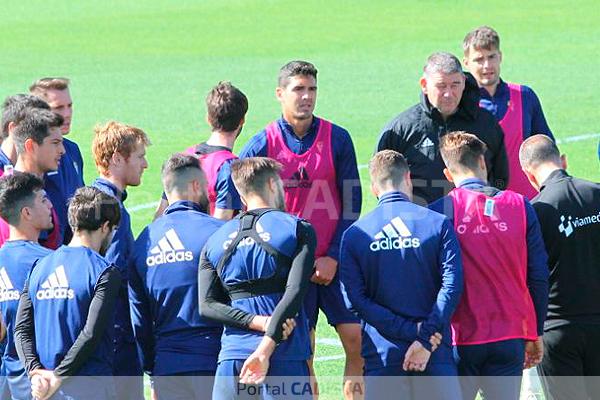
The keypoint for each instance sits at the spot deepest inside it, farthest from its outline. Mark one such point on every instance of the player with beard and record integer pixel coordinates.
(254, 273)
(63, 329)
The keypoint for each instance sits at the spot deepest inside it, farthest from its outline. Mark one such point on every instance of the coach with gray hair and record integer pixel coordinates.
(449, 102)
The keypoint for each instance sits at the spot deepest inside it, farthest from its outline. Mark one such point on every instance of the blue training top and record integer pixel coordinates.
(250, 261)
(400, 265)
(61, 288)
(16, 259)
(163, 288)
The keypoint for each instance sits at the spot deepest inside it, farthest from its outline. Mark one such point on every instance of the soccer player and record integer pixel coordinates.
(499, 320)
(63, 331)
(254, 273)
(24, 205)
(163, 286)
(120, 156)
(568, 209)
(516, 107)
(62, 183)
(14, 109)
(226, 108)
(402, 273)
(321, 185)
(449, 102)
(39, 147)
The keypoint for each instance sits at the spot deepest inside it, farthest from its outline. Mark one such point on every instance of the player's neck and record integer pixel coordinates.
(115, 180)
(299, 126)
(222, 139)
(491, 89)
(21, 232)
(24, 164)
(459, 179)
(544, 171)
(8, 147)
(86, 239)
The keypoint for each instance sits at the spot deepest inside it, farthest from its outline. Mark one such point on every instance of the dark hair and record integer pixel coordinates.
(538, 149)
(250, 175)
(36, 126)
(388, 167)
(179, 170)
(461, 151)
(15, 107)
(483, 37)
(226, 106)
(90, 208)
(295, 68)
(16, 192)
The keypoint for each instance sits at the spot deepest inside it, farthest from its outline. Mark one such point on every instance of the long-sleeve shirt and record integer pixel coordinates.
(534, 121)
(400, 266)
(537, 259)
(344, 159)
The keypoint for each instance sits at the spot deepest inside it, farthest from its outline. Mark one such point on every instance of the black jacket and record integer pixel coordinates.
(569, 213)
(415, 133)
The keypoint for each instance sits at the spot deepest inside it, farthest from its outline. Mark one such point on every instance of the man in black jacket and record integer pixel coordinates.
(449, 102)
(569, 213)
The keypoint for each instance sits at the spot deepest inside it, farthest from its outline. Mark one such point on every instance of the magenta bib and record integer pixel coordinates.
(495, 304)
(310, 182)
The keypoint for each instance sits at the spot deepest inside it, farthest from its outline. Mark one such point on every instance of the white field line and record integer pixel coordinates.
(571, 139)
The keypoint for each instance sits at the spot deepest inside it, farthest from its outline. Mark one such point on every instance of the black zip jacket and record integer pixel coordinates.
(569, 213)
(416, 134)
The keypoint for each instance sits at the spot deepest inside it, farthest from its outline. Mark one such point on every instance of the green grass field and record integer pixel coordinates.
(151, 65)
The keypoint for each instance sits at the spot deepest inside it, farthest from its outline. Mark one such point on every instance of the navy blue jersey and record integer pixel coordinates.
(60, 185)
(119, 253)
(61, 288)
(250, 262)
(16, 259)
(344, 159)
(163, 288)
(401, 265)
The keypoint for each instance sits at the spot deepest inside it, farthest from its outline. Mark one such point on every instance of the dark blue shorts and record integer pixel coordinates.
(285, 380)
(495, 368)
(438, 381)
(329, 299)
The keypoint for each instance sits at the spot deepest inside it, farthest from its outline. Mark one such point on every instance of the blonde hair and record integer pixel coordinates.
(115, 137)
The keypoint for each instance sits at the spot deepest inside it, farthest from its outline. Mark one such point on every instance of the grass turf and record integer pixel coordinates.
(151, 63)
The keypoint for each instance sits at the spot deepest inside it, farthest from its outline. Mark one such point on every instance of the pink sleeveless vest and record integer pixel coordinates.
(211, 163)
(310, 182)
(512, 125)
(495, 304)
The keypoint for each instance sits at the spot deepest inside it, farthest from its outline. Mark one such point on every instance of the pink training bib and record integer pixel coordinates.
(210, 164)
(310, 182)
(495, 304)
(512, 125)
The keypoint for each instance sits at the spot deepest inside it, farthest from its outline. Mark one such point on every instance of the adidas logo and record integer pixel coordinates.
(394, 236)
(7, 290)
(169, 250)
(56, 286)
(266, 236)
(427, 143)
(299, 179)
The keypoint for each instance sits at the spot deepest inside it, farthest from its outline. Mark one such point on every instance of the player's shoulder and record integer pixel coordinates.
(256, 145)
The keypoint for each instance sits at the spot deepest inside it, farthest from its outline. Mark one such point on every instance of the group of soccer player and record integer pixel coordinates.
(461, 277)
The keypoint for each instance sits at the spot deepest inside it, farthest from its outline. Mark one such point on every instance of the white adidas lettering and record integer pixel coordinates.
(56, 286)
(7, 290)
(168, 250)
(394, 236)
